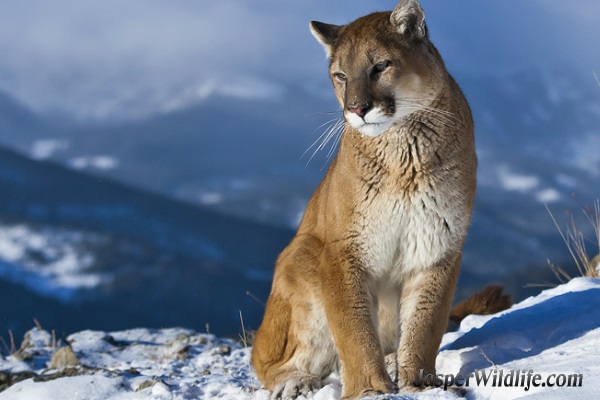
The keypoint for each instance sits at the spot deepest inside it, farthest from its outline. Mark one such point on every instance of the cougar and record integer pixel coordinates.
(372, 268)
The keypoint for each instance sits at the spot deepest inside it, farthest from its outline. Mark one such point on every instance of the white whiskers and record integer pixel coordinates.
(335, 128)
(436, 115)
(332, 135)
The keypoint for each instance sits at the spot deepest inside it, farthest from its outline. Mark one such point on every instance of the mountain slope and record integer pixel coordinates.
(162, 262)
(536, 135)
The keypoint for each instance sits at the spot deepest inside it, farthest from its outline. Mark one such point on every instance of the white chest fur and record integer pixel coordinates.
(404, 235)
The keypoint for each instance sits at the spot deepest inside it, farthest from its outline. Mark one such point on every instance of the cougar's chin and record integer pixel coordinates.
(373, 124)
(374, 129)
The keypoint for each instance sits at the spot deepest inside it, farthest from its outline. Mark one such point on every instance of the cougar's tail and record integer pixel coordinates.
(487, 301)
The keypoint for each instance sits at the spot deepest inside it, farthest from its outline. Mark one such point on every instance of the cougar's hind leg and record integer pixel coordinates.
(314, 356)
(293, 349)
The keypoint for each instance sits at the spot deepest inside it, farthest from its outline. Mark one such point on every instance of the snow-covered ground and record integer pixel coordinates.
(554, 334)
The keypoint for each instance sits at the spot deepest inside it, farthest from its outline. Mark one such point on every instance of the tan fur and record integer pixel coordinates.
(593, 269)
(373, 266)
(490, 300)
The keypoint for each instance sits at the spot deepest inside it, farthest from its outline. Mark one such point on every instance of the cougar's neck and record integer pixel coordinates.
(411, 150)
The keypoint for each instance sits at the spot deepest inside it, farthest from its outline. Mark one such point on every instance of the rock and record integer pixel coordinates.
(4, 381)
(7, 379)
(184, 352)
(150, 383)
(64, 357)
(180, 346)
(161, 389)
(65, 372)
(199, 339)
(224, 350)
(182, 337)
(34, 341)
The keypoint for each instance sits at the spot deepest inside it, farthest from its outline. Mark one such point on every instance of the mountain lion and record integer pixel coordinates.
(373, 266)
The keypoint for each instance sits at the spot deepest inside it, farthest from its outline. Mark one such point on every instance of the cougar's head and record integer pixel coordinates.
(383, 66)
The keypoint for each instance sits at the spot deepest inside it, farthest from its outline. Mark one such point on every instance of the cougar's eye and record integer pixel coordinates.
(381, 66)
(340, 76)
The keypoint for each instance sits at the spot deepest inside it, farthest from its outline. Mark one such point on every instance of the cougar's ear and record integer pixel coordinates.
(326, 34)
(409, 19)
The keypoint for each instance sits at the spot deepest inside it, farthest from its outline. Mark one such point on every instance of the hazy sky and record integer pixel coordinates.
(112, 58)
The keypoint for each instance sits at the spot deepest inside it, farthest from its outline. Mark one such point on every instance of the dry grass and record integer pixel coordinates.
(577, 243)
(12, 348)
(247, 341)
(576, 240)
(54, 343)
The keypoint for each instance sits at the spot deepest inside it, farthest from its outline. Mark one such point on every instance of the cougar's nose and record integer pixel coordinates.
(360, 109)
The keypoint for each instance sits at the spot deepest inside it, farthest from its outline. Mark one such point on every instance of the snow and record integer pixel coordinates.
(79, 388)
(566, 180)
(210, 198)
(51, 262)
(45, 148)
(512, 181)
(585, 153)
(555, 332)
(548, 195)
(101, 162)
(141, 363)
(515, 182)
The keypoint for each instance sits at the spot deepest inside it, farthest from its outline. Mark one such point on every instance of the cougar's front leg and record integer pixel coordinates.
(425, 305)
(350, 310)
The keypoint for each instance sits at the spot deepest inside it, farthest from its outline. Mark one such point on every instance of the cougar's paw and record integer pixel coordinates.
(297, 386)
(407, 382)
(369, 393)
(391, 366)
(388, 388)
(373, 393)
(410, 389)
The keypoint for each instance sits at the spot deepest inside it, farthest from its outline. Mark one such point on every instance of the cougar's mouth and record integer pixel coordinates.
(374, 123)
(373, 129)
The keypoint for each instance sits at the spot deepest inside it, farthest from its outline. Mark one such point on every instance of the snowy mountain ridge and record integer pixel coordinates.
(555, 335)
(527, 125)
(74, 246)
